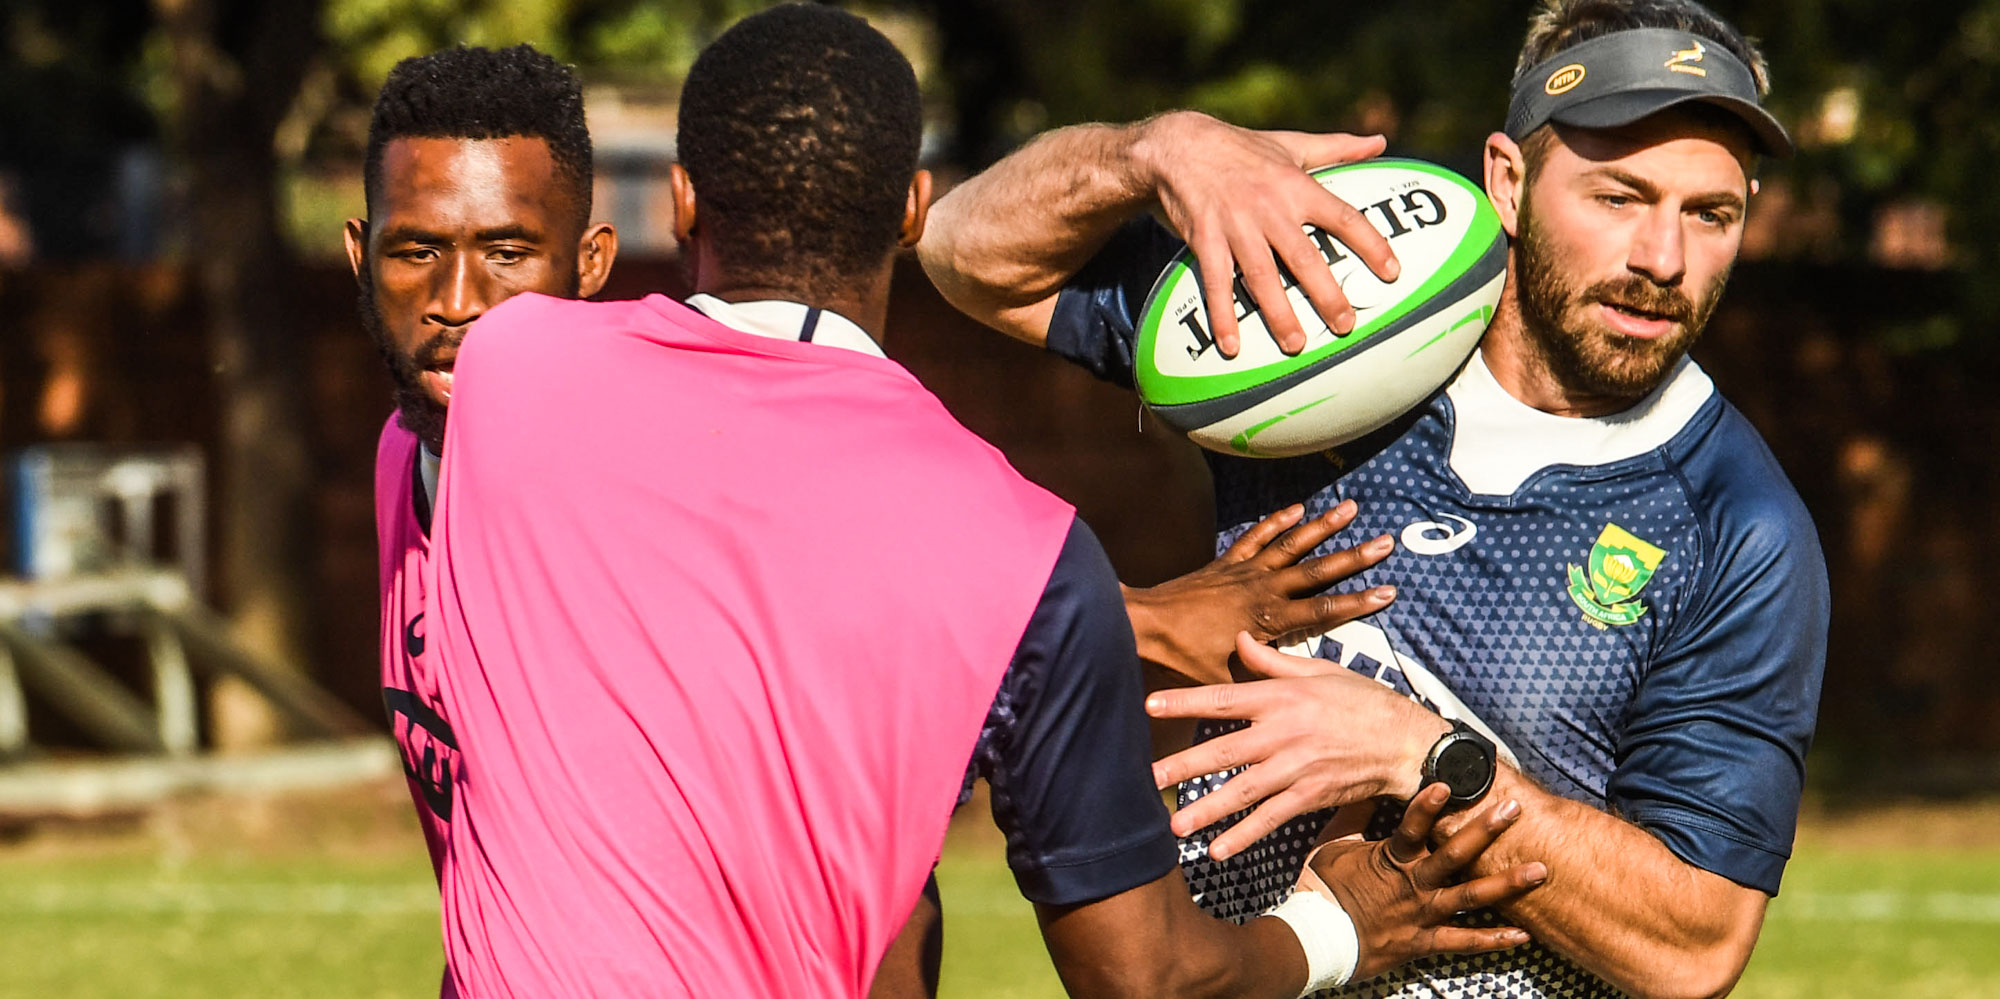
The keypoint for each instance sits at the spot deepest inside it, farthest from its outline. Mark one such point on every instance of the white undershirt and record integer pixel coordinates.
(785, 320)
(1499, 441)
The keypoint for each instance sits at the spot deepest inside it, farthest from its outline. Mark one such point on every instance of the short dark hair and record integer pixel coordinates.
(800, 128)
(478, 93)
(1560, 24)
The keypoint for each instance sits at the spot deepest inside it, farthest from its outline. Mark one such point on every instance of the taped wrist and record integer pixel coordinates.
(1332, 946)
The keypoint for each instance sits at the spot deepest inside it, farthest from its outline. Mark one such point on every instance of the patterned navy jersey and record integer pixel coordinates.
(1633, 607)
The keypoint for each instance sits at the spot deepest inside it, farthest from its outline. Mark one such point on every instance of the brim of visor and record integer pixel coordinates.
(1615, 110)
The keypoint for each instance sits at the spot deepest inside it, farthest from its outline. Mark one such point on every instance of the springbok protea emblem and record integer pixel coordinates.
(1621, 564)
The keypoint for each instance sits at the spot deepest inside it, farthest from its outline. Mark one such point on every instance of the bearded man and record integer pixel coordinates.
(1607, 591)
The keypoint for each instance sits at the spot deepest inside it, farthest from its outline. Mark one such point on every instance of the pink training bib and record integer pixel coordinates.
(409, 681)
(721, 618)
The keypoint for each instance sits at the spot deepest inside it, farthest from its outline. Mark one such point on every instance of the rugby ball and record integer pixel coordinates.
(1410, 335)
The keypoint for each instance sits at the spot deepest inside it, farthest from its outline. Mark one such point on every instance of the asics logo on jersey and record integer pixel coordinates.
(413, 640)
(1428, 537)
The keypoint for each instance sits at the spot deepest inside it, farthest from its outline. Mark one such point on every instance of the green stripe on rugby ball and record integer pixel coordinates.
(1454, 258)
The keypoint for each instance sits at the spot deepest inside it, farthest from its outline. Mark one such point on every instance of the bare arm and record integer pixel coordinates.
(909, 970)
(1618, 901)
(1153, 941)
(1000, 246)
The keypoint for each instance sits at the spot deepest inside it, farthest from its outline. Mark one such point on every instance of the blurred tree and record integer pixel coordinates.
(72, 100)
(233, 69)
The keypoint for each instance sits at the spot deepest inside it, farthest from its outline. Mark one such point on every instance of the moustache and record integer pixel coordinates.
(428, 354)
(1641, 295)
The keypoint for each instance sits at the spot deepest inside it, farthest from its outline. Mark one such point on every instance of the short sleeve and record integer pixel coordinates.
(1712, 760)
(1097, 310)
(1067, 749)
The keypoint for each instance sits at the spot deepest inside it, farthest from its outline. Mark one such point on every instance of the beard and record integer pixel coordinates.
(1586, 357)
(415, 409)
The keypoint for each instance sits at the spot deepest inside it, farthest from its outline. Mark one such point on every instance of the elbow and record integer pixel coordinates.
(1702, 972)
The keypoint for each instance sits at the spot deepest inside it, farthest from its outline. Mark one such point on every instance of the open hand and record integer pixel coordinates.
(1239, 198)
(1402, 895)
(1319, 736)
(1260, 585)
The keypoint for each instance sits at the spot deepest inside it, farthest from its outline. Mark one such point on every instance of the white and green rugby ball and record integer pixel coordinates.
(1410, 336)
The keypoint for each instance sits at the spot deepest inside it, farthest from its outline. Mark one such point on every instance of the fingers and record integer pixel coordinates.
(1239, 793)
(1256, 540)
(1496, 889)
(1409, 842)
(1465, 846)
(1224, 752)
(1299, 541)
(1347, 224)
(1320, 614)
(1222, 700)
(1341, 220)
(1257, 262)
(1269, 662)
(1460, 940)
(1215, 261)
(1312, 150)
(1275, 811)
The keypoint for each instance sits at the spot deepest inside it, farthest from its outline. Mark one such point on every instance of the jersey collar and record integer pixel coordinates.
(1499, 442)
(783, 320)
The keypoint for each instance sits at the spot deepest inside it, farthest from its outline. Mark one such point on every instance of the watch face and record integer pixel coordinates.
(1465, 767)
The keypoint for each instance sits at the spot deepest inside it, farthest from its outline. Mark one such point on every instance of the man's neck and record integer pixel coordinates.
(868, 310)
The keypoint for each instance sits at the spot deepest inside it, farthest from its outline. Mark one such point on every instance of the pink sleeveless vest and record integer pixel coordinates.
(721, 618)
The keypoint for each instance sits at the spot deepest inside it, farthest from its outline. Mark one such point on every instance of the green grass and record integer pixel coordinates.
(311, 907)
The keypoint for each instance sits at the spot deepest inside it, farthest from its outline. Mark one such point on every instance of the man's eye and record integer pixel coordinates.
(507, 254)
(1614, 200)
(1714, 218)
(416, 254)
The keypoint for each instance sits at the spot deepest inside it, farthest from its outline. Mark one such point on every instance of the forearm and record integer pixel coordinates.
(1617, 901)
(1000, 246)
(1152, 941)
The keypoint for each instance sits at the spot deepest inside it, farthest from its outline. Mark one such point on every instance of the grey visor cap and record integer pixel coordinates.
(1619, 78)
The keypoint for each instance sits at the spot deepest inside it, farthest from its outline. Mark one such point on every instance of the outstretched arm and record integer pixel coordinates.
(1065, 754)
(1153, 941)
(1001, 245)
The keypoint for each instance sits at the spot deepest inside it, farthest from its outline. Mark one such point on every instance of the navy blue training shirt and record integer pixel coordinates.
(1634, 607)
(1067, 749)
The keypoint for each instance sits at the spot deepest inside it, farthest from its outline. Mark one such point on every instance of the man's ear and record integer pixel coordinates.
(683, 188)
(356, 237)
(1506, 179)
(595, 254)
(916, 210)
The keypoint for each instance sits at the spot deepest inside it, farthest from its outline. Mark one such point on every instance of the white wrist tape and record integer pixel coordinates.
(1327, 934)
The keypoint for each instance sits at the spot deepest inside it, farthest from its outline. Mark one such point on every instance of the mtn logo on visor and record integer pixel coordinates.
(1564, 80)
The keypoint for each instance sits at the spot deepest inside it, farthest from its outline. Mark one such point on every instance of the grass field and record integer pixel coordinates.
(331, 896)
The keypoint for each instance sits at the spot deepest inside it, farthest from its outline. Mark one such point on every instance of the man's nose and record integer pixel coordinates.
(463, 293)
(1659, 249)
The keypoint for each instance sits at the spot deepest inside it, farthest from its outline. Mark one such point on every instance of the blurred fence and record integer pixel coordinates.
(1886, 427)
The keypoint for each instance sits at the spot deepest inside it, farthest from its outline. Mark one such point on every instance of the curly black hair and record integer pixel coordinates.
(478, 93)
(800, 128)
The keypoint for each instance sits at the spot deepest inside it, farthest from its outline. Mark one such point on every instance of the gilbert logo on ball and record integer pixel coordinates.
(1410, 336)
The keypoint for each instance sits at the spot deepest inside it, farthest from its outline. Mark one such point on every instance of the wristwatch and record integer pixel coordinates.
(1462, 760)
